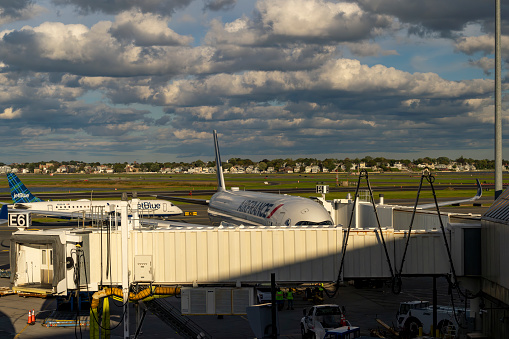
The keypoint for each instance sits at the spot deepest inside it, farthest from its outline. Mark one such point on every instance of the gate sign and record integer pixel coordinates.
(323, 189)
(20, 220)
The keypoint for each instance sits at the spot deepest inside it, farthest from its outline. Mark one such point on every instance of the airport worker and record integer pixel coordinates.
(289, 297)
(320, 289)
(280, 301)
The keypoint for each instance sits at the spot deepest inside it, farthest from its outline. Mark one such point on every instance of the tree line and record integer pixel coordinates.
(330, 164)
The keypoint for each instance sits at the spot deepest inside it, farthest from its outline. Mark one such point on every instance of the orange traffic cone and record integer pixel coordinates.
(29, 320)
(33, 317)
(343, 320)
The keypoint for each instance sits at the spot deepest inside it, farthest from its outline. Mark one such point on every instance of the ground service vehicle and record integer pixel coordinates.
(414, 314)
(264, 295)
(326, 321)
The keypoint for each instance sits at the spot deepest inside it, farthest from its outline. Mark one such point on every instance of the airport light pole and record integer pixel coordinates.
(498, 103)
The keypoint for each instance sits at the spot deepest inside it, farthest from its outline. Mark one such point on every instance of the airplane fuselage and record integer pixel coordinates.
(265, 209)
(159, 208)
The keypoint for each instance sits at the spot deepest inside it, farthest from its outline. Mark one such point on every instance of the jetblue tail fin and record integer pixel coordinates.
(19, 193)
(219, 168)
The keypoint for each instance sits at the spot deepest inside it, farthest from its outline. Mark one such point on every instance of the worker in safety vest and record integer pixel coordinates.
(289, 297)
(280, 301)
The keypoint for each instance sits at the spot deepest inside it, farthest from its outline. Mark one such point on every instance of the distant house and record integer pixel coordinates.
(286, 170)
(5, 169)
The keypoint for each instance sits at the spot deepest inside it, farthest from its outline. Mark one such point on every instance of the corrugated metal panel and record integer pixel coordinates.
(426, 254)
(495, 249)
(367, 217)
(212, 255)
(422, 221)
(366, 256)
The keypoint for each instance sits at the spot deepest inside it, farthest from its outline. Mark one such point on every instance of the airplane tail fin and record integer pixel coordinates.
(4, 213)
(219, 168)
(19, 193)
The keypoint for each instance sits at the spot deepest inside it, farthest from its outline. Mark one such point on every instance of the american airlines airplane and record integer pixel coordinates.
(22, 198)
(256, 208)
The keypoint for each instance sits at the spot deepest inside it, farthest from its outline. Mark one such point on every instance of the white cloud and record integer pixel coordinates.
(319, 19)
(484, 44)
(344, 75)
(19, 10)
(146, 30)
(79, 50)
(10, 113)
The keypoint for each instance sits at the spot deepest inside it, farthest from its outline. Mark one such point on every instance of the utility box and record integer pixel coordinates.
(216, 300)
(143, 268)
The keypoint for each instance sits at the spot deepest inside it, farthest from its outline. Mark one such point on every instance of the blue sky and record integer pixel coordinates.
(126, 80)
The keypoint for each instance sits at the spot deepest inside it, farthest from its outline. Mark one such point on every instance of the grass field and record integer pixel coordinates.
(380, 182)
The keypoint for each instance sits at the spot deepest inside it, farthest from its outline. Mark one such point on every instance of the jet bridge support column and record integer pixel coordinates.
(434, 306)
(125, 267)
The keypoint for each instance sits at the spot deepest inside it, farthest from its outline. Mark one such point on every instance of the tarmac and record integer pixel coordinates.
(363, 307)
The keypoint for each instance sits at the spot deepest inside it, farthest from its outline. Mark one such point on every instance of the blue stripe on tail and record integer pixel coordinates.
(19, 193)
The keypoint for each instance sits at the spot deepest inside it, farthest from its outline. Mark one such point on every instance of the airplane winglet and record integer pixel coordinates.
(456, 202)
(219, 167)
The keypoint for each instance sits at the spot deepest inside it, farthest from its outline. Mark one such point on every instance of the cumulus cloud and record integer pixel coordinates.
(165, 7)
(486, 64)
(433, 16)
(484, 44)
(18, 10)
(315, 21)
(10, 113)
(76, 49)
(146, 30)
(341, 76)
(220, 5)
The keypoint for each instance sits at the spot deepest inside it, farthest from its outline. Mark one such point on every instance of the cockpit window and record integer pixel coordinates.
(309, 223)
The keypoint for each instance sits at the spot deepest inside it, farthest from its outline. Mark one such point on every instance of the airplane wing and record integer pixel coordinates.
(456, 202)
(151, 222)
(3, 214)
(55, 214)
(188, 200)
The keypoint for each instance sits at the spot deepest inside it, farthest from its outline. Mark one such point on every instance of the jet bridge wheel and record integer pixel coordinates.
(412, 327)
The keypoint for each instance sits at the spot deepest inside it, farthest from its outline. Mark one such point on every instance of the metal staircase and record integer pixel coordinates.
(450, 331)
(172, 317)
